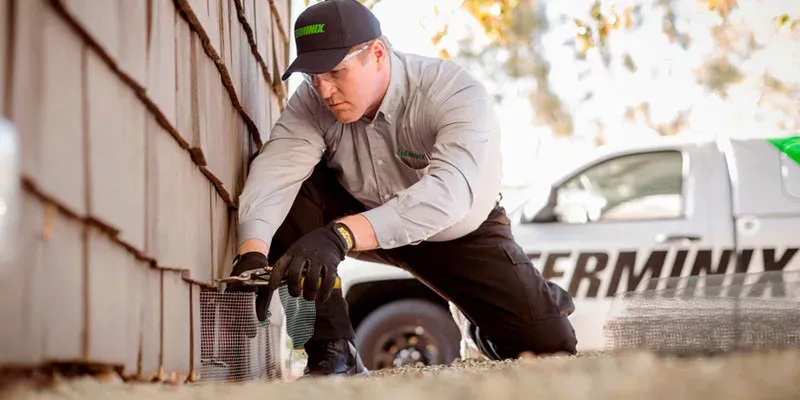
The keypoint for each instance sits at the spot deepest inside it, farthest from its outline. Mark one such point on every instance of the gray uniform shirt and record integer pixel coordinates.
(427, 167)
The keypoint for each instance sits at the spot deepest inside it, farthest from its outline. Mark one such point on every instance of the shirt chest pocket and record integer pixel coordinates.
(413, 150)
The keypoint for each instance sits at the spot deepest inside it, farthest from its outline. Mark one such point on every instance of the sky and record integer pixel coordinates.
(526, 149)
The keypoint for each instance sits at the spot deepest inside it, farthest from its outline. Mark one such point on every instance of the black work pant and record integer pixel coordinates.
(485, 273)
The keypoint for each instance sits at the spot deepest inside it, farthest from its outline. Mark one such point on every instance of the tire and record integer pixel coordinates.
(424, 329)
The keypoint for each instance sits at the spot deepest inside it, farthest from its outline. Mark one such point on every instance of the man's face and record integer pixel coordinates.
(350, 89)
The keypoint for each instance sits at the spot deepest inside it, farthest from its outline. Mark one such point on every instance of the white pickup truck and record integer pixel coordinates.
(615, 223)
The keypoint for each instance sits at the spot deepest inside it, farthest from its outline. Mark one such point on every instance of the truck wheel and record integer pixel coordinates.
(408, 332)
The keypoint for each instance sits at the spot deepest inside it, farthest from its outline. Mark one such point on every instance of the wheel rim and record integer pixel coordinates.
(406, 345)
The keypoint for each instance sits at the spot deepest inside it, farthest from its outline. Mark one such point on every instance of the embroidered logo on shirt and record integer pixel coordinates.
(309, 30)
(411, 154)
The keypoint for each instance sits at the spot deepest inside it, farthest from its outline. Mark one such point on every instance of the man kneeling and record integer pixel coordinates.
(390, 157)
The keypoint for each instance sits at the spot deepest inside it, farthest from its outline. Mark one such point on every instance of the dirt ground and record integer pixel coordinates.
(636, 375)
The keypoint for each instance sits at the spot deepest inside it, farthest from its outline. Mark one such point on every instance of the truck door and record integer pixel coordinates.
(625, 220)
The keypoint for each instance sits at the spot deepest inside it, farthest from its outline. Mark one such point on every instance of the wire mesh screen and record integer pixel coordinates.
(702, 315)
(234, 344)
(300, 316)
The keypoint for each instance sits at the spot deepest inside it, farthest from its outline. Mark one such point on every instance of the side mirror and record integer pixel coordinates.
(572, 213)
(9, 194)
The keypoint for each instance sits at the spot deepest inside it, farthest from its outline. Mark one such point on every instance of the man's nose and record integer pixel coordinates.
(325, 88)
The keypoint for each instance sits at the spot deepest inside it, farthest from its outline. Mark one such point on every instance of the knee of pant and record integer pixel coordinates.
(548, 336)
(552, 335)
(542, 337)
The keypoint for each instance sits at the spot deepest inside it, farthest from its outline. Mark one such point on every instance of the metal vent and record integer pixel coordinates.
(234, 345)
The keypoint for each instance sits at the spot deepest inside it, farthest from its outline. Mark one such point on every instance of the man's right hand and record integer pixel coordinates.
(246, 262)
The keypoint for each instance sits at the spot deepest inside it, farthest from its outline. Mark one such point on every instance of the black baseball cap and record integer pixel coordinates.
(325, 32)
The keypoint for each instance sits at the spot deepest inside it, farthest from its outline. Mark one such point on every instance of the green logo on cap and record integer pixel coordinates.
(309, 30)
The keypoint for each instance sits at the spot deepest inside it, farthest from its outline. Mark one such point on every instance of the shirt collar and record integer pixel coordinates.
(396, 93)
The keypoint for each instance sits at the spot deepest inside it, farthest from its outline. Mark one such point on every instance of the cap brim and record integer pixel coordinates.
(316, 62)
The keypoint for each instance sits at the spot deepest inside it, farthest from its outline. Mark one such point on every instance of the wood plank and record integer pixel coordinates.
(176, 334)
(197, 215)
(235, 33)
(5, 21)
(239, 156)
(166, 174)
(97, 18)
(283, 14)
(137, 298)
(59, 289)
(25, 85)
(196, 334)
(178, 204)
(46, 103)
(20, 335)
(116, 138)
(110, 291)
(150, 324)
(223, 161)
(199, 10)
(225, 29)
(280, 61)
(197, 13)
(223, 228)
(214, 16)
(62, 145)
(275, 111)
(266, 115)
(248, 147)
(264, 32)
(184, 38)
(133, 40)
(161, 58)
(201, 64)
(249, 10)
(133, 206)
(250, 72)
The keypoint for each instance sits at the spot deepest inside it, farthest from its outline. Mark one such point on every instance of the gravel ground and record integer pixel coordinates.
(635, 375)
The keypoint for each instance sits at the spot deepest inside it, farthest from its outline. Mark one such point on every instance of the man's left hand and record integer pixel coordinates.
(315, 255)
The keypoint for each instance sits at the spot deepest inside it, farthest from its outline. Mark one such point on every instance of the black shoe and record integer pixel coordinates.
(484, 345)
(333, 357)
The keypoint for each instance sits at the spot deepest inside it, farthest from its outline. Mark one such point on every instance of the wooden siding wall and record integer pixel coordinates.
(137, 121)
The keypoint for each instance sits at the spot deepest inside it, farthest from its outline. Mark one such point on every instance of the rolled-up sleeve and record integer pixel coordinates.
(286, 160)
(465, 124)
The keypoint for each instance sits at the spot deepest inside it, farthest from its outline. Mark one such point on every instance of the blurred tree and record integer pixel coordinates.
(514, 56)
(368, 3)
(515, 28)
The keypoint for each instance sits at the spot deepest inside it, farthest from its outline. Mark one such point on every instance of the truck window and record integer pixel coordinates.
(634, 187)
(790, 172)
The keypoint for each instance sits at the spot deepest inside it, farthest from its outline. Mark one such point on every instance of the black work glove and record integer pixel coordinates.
(315, 255)
(247, 262)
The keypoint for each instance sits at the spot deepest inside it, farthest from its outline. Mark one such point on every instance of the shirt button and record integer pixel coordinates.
(380, 162)
(386, 196)
(392, 242)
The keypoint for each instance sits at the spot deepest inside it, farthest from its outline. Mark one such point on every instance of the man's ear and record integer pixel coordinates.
(381, 55)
